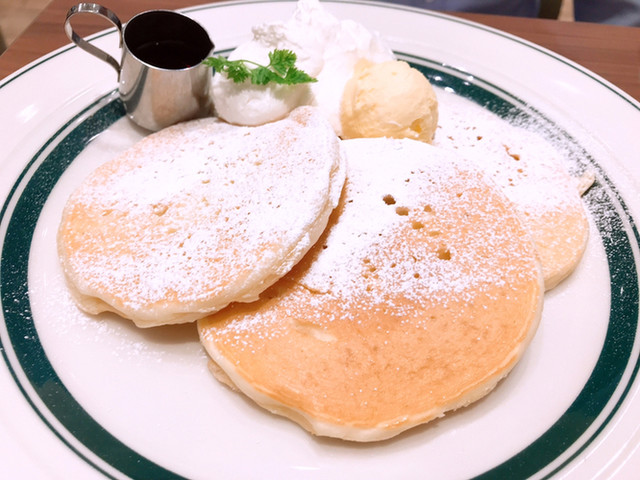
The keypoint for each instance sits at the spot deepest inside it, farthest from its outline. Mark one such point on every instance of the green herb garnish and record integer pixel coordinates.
(281, 69)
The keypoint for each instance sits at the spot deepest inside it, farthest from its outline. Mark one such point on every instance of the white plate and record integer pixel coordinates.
(96, 398)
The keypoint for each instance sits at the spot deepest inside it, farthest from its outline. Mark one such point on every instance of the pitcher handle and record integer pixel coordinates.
(101, 11)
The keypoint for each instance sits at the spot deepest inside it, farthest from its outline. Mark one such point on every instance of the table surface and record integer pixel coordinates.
(613, 52)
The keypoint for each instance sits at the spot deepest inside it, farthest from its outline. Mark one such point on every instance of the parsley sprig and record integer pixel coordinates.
(281, 69)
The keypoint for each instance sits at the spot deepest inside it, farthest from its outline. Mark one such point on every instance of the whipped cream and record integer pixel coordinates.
(327, 48)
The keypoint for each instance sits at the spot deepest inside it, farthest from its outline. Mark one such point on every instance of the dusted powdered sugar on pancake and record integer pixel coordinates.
(531, 172)
(383, 201)
(199, 215)
(419, 297)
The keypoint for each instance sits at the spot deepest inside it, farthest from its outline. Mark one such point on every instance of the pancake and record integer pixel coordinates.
(412, 303)
(531, 172)
(199, 215)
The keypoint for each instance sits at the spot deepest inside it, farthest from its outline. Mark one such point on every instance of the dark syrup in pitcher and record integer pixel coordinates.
(169, 54)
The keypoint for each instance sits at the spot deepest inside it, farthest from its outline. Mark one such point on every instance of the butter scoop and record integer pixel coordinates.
(388, 99)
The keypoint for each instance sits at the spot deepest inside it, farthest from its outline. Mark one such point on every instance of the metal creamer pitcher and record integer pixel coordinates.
(161, 77)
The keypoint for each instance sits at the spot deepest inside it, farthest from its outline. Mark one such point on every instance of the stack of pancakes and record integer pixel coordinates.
(358, 287)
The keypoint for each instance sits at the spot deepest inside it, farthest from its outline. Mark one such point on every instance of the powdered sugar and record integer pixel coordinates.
(531, 170)
(531, 166)
(416, 226)
(201, 211)
(408, 189)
